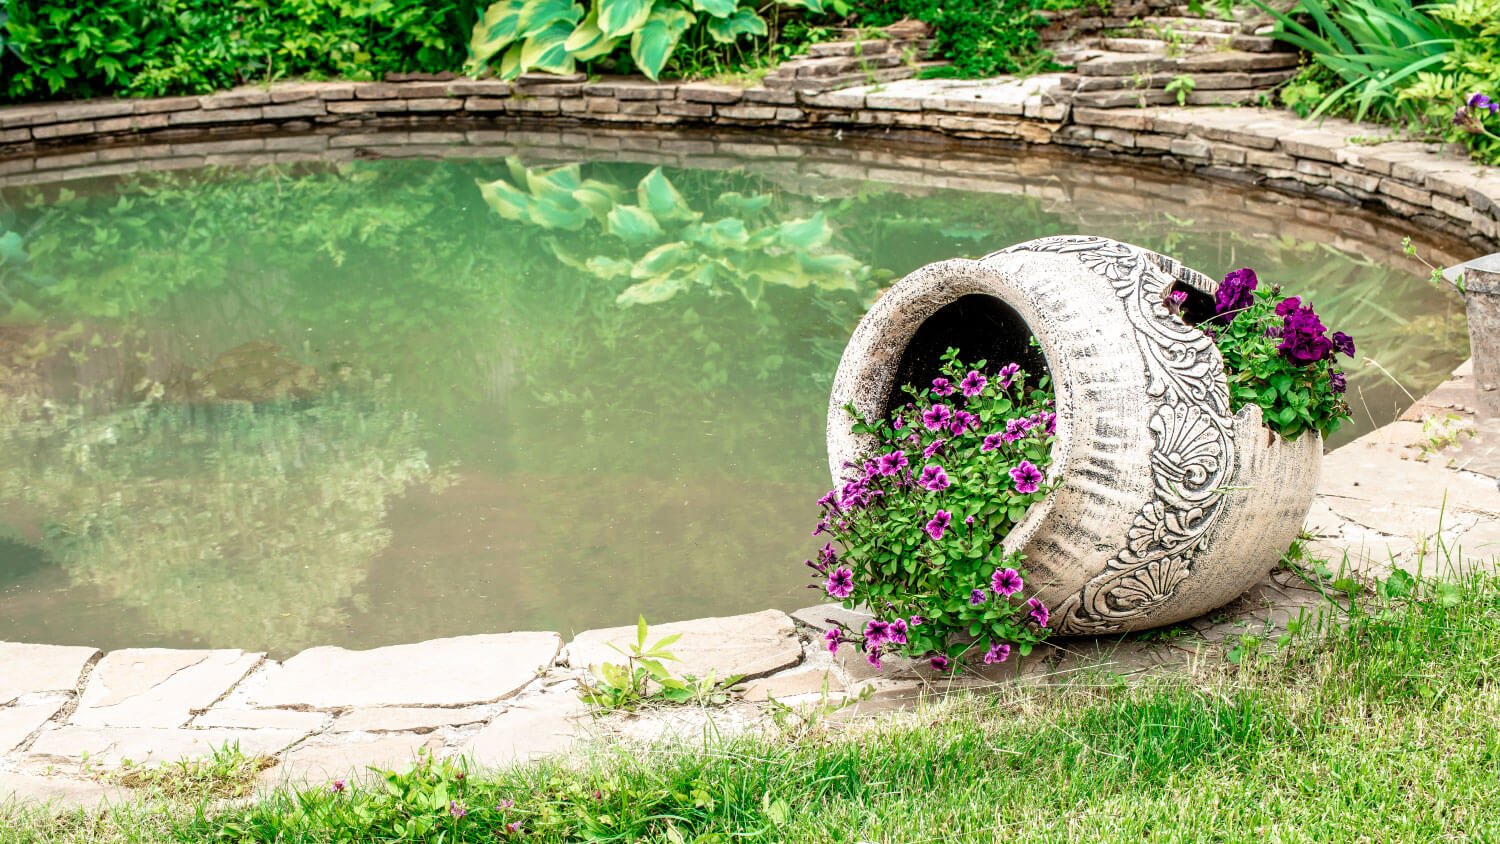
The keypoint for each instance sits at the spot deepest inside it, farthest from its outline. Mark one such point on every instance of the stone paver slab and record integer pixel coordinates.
(111, 746)
(158, 687)
(280, 719)
(458, 671)
(389, 719)
(18, 722)
(323, 761)
(32, 669)
(523, 734)
(750, 645)
(59, 793)
(793, 684)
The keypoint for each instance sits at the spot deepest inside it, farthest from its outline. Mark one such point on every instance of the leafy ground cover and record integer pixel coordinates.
(1380, 726)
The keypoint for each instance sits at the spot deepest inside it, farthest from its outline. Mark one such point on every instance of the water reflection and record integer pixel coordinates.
(370, 402)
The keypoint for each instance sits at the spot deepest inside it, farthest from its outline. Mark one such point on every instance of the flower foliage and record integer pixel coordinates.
(1278, 355)
(915, 533)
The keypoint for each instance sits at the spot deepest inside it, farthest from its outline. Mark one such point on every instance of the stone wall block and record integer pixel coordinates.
(708, 92)
(223, 115)
(748, 112)
(434, 104)
(486, 105)
(376, 91)
(1406, 193)
(237, 98)
(300, 108)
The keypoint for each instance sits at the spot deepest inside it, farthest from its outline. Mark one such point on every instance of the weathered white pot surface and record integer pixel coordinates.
(1168, 505)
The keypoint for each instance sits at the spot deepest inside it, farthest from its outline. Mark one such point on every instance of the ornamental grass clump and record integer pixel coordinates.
(1278, 355)
(915, 534)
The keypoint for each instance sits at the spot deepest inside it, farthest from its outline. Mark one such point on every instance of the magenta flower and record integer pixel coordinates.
(1178, 298)
(997, 653)
(833, 637)
(1006, 582)
(1343, 343)
(977, 597)
(932, 449)
(1478, 100)
(938, 524)
(942, 387)
(1015, 429)
(1236, 293)
(1038, 612)
(969, 520)
(457, 809)
(895, 632)
(338, 786)
(939, 662)
(937, 417)
(991, 442)
(1048, 421)
(1288, 305)
(1338, 382)
(505, 803)
(876, 633)
(841, 583)
(828, 555)
(916, 621)
(973, 384)
(513, 828)
(873, 657)
(1027, 477)
(962, 421)
(1007, 374)
(890, 463)
(898, 423)
(933, 478)
(1302, 337)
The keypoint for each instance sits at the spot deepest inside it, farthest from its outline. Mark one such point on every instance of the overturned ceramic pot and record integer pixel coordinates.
(1166, 505)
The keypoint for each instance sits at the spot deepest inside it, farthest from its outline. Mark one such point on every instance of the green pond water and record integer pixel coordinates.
(380, 401)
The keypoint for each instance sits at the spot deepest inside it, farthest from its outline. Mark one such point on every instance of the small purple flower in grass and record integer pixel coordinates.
(1006, 582)
(1338, 382)
(1027, 477)
(939, 662)
(1038, 612)
(991, 442)
(977, 597)
(1478, 101)
(1007, 374)
(973, 384)
(938, 524)
(937, 417)
(841, 583)
(1236, 293)
(513, 828)
(997, 653)
(933, 478)
(457, 809)
(338, 786)
(942, 387)
(1343, 343)
(891, 462)
(505, 803)
(934, 448)
(833, 637)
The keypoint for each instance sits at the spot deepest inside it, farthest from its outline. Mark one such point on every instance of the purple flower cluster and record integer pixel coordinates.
(933, 478)
(1236, 293)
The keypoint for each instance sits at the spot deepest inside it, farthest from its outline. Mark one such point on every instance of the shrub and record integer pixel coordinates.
(980, 37)
(919, 527)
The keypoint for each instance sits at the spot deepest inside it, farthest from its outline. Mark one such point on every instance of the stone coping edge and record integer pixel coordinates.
(1431, 185)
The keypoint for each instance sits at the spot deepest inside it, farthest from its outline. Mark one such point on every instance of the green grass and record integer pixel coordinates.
(1381, 728)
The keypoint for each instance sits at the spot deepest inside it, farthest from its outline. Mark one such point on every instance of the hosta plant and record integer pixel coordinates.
(554, 35)
(914, 535)
(1277, 354)
(651, 237)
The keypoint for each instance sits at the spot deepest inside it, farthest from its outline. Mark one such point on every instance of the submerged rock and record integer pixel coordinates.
(258, 372)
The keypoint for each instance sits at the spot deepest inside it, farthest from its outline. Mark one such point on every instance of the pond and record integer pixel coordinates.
(520, 385)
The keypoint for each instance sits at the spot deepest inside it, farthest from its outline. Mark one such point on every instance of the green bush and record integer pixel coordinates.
(980, 37)
(154, 47)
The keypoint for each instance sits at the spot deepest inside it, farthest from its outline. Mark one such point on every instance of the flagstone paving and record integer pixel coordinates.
(69, 715)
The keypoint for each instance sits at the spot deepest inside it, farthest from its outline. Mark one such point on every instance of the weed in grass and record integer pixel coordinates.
(227, 772)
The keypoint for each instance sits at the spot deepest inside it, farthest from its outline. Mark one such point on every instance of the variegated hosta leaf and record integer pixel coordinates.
(608, 268)
(632, 225)
(653, 43)
(715, 8)
(497, 28)
(506, 201)
(742, 22)
(815, 6)
(656, 194)
(588, 41)
(652, 291)
(538, 15)
(545, 50)
(619, 18)
(663, 259)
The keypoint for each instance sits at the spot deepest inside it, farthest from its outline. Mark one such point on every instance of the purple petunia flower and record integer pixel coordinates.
(1288, 305)
(991, 442)
(1177, 298)
(977, 597)
(962, 421)
(973, 384)
(932, 449)
(916, 621)
(1343, 343)
(841, 583)
(942, 387)
(1338, 382)
(1038, 612)
(1015, 429)
(939, 662)
(833, 637)
(997, 653)
(1236, 293)
(873, 657)
(938, 524)
(1007, 374)
(891, 462)
(898, 423)
(1006, 582)
(937, 417)
(457, 809)
(1302, 337)
(1027, 477)
(933, 478)
(875, 633)
(827, 554)
(895, 632)
(969, 520)
(1047, 421)
(1478, 100)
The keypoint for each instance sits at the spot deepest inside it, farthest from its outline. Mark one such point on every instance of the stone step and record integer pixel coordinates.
(1126, 64)
(1150, 40)
(867, 47)
(1192, 23)
(829, 66)
(1135, 45)
(1201, 81)
(814, 85)
(1143, 98)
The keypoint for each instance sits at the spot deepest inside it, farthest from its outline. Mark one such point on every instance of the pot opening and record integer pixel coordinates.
(1199, 306)
(980, 327)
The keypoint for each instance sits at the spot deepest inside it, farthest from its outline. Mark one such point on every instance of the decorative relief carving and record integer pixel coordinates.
(1193, 452)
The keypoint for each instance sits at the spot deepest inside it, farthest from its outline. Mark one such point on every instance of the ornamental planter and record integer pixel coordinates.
(1168, 505)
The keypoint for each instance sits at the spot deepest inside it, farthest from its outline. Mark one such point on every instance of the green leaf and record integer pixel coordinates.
(632, 225)
(510, 63)
(663, 259)
(505, 200)
(496, 29)
(618, 18)
(596, 199)
(546, 50)
(716, 8)
(742, 22)
(805, 234)
(650, 292)
(538, 16)
(608, 268)
(640, 631)
(588, 41)
(653, 43)
(720, 234)
(656, 194)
